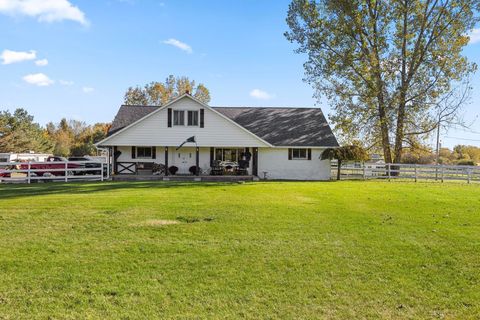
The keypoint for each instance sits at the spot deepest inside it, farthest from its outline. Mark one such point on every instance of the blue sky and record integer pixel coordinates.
(94, 50)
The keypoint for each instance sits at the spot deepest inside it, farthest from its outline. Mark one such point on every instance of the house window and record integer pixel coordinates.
(228, 154)
(299, 154)
(192, 118)
(144, 152)
(178, 118)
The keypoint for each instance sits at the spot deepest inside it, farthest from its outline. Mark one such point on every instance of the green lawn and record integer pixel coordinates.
(256, 250)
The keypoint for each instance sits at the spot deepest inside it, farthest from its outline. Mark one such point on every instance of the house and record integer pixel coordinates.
(269, 143)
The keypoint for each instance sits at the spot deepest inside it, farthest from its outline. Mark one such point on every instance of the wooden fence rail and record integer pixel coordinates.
(28, 172)
(407, 171)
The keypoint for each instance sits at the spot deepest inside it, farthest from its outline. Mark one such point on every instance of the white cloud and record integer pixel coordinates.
(38, 79)
(41, 62)
(260, 94)
(66, 82)
(87, 89)
(44, 10)
(9, 56)
(179, 44)
(474, 36)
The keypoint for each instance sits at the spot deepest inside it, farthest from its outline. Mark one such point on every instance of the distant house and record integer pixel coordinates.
(272, 143)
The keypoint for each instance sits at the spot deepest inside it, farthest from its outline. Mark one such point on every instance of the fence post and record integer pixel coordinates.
(364, 173)
(415, 173)
(388, 171)
(101, 172)
(468, 175)
(66, 167)
(28, 172)
(442, 172)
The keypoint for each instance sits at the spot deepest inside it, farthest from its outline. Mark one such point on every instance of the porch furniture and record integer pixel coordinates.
(242, 169)
(144, 168)
(217, 169)
(159, 169)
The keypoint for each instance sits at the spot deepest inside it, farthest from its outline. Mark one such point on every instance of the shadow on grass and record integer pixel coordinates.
(10, 191)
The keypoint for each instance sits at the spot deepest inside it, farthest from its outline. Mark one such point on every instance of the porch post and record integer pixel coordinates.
(114, 160)
(166, 161)
(255, 161)
(197, 161)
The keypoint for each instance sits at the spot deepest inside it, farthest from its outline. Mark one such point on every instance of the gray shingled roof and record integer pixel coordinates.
(278, 126)
(127, 115)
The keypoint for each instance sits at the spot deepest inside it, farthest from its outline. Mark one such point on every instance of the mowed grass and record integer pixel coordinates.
(290, 250)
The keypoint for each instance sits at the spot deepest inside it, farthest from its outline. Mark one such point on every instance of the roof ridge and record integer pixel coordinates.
(139, 105)
(269, 107)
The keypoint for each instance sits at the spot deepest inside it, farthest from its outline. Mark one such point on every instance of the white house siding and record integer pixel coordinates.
(154, 131)
(274, 161)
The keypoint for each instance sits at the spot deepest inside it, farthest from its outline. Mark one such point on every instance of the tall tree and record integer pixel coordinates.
(383, 64)
(19, 133)
(159, 93)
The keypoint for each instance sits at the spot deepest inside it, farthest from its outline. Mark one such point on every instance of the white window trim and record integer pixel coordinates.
(185, 118)
(138, 157)
(298, 158)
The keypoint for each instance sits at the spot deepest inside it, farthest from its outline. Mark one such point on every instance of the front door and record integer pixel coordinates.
(184, 159)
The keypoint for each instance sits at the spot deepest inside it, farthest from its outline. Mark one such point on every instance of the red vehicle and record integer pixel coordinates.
(4, 173)
(50, 164)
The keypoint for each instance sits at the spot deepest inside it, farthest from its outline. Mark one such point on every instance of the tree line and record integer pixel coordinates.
(19, 133)
(459, 155)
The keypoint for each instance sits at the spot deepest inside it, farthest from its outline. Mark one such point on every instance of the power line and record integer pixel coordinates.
(478, 140)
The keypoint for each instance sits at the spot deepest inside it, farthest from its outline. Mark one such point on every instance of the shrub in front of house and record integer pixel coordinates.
(173, 170)
(193, 169)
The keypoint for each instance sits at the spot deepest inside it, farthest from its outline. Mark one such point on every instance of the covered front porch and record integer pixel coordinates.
(159, 162)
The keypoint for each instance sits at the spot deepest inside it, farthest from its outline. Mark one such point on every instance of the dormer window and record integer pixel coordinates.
(192, 118)
(178, 118)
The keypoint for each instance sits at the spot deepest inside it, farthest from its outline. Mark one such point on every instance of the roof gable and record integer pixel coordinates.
(147, 125)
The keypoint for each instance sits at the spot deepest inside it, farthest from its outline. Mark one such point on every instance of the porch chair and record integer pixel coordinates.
(217, 169)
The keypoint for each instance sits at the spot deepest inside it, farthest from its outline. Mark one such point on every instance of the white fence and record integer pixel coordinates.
(407, 171)
(28, 172)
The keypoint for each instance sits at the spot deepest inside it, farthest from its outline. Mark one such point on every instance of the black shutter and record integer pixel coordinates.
(202, 118)
(169, 111)
(309, 154)
(154, 152)
(289, 153)
(212, 150)
(133, 153)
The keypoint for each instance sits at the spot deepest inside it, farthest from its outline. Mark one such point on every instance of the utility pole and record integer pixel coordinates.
(437, 160)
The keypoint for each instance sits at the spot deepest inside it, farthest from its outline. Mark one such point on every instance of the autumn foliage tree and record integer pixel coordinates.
(75, 138)
(384, 64)
(159, 93)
